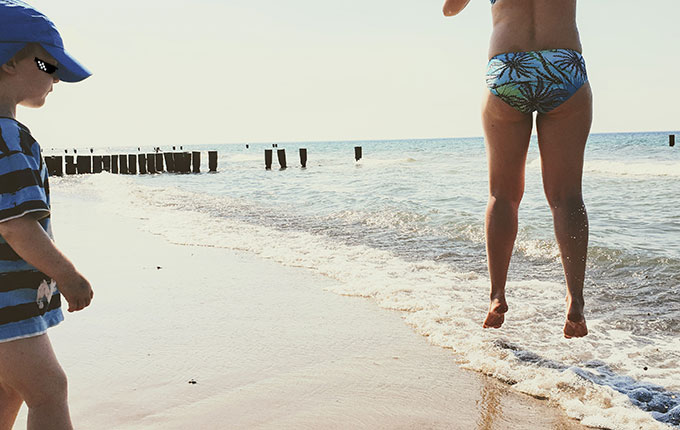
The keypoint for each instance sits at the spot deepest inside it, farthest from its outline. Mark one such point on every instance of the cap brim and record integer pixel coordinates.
(70, 70)
(8, 50)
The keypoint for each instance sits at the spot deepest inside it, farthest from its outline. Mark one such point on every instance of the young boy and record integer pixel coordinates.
(32, 60)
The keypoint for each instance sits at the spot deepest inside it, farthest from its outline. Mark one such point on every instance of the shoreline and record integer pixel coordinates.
(265, 345)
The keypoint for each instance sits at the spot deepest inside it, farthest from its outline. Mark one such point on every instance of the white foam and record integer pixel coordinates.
(613, 168)
(633, 168)
(375, 162)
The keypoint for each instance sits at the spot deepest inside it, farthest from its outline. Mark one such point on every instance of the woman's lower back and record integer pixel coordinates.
(533, 25)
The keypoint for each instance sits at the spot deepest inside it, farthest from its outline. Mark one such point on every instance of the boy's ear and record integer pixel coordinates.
(10, 67)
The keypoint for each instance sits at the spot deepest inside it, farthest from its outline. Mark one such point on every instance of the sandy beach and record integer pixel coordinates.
(185, 337)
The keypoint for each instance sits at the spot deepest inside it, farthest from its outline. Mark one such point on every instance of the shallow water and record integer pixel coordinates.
(405, 225)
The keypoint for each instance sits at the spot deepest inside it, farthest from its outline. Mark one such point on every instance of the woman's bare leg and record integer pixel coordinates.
(10, 403)
(562, 135)
(507, 133)
(30, 367)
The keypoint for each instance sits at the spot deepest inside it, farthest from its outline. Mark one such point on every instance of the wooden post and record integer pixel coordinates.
(123, 164)
(114, 163)
(49, 163)
(132, 164)
(106, 163)
(179, 162)
(54, 165)
(84, 163)
(71, 167)
(303, 157)
(96, 164)
(159, 162)
(357, 153)
(59, 165)
(179, 159)
(196, 162)
(169, 161)
(281, 154)
(212, 161)
(151, 163)
(671, 140)
(141, 162)
(268, 159)
(186, 163)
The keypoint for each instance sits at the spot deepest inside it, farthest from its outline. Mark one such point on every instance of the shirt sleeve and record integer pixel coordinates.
(22, 190)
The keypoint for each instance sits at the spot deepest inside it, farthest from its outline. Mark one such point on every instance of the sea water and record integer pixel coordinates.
(405, 226)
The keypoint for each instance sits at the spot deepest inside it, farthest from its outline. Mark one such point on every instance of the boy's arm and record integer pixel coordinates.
(453, 7)
(28, 239)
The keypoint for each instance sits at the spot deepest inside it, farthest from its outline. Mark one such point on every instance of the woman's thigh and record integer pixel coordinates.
(507, 133)
(562, 136)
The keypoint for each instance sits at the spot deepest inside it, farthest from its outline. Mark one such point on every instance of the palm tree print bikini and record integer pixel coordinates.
(536, 80)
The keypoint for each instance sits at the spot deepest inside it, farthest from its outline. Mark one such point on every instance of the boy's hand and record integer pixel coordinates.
(76, 290)
(28, 239)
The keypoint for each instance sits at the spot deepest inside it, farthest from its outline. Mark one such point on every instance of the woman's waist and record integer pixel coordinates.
(501, 44)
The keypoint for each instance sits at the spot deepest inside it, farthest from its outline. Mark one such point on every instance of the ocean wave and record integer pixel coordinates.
(376, 162)
(633, 168)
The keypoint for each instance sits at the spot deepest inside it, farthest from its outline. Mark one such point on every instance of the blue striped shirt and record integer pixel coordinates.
(29, 300)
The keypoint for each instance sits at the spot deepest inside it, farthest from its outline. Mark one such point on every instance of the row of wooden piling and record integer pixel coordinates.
(129, 164)
(157, 162)
(281, 155)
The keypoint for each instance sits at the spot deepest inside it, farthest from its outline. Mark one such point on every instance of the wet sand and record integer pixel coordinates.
(182, 337)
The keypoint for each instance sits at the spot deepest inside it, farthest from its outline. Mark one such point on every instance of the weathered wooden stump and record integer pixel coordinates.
(84, 163)
(303, 157)
(196, 162)
(281, 154)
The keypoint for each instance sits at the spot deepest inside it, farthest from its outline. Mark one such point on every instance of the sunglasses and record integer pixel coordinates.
(45, 66)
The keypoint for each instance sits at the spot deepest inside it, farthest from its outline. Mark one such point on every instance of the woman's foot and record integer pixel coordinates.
(575, 329)
(575, 325)
(496, 315)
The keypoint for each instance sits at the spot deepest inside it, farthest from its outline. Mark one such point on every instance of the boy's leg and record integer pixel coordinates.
(30, 367)
(562, 135)
(10, 403)
(507, 133)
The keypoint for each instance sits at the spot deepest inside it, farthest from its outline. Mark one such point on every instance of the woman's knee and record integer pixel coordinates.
(505, 202)
(564, 200)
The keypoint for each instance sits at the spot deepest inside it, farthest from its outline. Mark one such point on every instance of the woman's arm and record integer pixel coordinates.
(453, 7)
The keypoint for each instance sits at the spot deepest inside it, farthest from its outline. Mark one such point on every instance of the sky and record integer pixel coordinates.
(171, 72)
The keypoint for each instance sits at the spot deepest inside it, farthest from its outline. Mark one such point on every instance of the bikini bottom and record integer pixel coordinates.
(536, 80)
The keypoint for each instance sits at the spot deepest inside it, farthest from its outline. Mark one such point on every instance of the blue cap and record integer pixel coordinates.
(21, 24)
